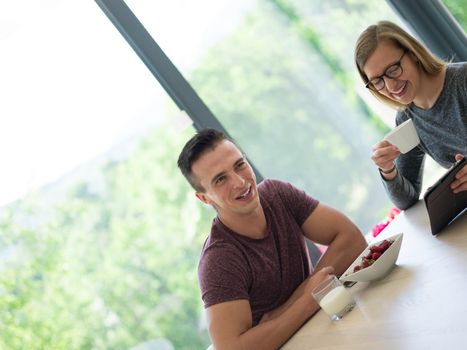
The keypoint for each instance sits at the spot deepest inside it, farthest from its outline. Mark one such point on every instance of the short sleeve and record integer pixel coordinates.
(297, 201)
(223, 275)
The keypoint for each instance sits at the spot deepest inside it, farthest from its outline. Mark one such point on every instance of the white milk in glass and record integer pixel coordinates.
(336, 301)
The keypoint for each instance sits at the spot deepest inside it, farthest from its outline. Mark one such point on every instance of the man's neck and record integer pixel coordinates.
(252, 225)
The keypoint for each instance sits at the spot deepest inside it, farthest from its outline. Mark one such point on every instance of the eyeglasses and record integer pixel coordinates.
(392, 72)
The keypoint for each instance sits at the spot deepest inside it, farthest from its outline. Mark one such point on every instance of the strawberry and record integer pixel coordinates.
(384, 245)
(376, 248)
(374, 253)
(381, 247)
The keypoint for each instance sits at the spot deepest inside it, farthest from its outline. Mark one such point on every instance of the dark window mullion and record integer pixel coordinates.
(435, 26)
(161, 67)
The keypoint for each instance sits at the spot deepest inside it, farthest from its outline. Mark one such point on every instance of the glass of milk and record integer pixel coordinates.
(333, 297)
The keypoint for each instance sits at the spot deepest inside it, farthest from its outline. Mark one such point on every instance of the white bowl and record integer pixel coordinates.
(380, 268)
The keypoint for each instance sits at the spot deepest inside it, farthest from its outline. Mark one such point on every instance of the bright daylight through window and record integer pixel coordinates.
(99, 233)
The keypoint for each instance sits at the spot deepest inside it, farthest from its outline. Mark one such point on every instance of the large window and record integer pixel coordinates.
(279, 76)
(99, 234)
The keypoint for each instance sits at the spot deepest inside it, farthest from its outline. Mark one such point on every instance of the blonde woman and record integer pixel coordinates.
(402, 73)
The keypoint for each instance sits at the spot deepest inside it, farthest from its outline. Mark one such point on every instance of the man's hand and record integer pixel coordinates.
(304, 290)
(315, 279)
(230, 323)
(460, 183)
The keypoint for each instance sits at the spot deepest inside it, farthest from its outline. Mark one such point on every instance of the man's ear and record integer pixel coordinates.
(202, 197)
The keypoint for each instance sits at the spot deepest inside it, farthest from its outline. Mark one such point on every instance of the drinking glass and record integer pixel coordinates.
(333, 297)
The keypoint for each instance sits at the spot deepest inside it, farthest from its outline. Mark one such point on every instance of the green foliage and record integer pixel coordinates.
(331, 29)
(458, 8)
(311, 35)
(113, 265)
(108, 270)
(272, 86)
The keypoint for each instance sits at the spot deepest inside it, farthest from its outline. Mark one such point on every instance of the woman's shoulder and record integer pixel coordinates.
(456, 78)
(457, 70)
(402, 115)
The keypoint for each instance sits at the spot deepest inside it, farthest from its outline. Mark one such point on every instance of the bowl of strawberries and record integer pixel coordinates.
(375, 262)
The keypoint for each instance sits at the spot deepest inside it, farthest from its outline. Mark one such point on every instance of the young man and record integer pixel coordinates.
(254, 271)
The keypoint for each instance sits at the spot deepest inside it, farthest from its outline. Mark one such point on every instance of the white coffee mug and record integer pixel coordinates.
(404, 136)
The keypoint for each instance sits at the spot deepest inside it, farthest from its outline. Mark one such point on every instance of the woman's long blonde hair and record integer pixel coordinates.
(386, 30)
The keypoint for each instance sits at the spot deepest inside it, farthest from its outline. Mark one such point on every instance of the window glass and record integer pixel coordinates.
(99, 233)
(458, 8)
(279, 76)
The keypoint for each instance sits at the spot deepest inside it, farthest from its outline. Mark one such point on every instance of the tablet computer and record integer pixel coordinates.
(442, 204)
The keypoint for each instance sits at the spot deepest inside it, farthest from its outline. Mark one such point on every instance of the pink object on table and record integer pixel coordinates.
(392, 213)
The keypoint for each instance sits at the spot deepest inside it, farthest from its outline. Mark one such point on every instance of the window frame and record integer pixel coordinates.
(432, 22)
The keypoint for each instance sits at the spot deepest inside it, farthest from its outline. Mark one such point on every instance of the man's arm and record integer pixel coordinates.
(230, 323)
(345, 242)
(328, 226)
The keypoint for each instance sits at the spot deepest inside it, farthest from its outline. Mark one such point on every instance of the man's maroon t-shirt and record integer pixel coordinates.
(264, 271)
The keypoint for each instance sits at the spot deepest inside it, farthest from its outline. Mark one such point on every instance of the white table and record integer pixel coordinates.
(421, 304)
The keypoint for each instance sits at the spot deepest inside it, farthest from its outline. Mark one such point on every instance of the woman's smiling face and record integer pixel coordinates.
(402, 89)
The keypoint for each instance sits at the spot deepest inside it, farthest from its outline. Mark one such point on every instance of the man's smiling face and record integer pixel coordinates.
(228, 181)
